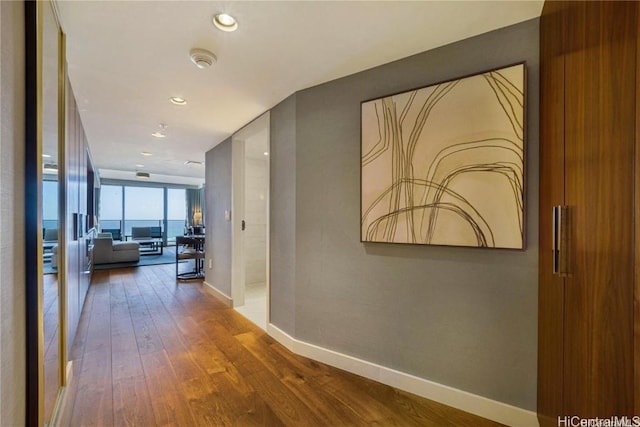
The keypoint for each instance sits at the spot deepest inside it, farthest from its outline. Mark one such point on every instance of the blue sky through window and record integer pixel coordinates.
(143, 203)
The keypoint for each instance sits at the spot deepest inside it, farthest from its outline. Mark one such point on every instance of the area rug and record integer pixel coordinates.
(168, 257)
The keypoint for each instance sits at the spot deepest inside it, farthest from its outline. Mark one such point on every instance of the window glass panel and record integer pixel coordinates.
(176, 213)
(143, 207)
(49, 204)
(110, 209)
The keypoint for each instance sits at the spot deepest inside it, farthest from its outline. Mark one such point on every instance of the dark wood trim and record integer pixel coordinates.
(593, 321)
(636, 299)
(32, 165)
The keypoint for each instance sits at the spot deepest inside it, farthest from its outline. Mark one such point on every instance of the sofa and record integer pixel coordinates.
(106, 251)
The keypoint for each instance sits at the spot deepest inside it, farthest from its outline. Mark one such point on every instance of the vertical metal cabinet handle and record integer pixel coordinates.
(559, 240)
(554, 239)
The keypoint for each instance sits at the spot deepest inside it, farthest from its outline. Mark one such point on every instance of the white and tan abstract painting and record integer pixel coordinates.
(444, 164)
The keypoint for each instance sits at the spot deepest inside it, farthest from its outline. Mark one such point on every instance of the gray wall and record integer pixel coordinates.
(12, 297)
(282, 196)
(217, 200)
(463, 317)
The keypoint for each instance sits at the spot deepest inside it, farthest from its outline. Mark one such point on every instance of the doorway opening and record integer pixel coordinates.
(250, 221)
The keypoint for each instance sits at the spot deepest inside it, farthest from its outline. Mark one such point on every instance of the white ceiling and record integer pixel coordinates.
(127, 58)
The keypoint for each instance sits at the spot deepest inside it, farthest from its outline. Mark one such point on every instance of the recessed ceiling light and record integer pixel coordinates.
(266, 153)
(139, 165)
(225, 22)
(142, 175)
(46, 156)
(146, 153)
(176, 100)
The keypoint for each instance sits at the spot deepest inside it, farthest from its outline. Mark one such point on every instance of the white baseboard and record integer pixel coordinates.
(468, 402)
(218, 294)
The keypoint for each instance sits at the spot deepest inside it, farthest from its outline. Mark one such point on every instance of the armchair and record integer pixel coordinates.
(115, 233)
(50, 235)
(141, 233)
(190, 248)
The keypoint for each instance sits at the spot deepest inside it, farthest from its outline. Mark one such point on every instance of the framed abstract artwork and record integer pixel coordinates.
(444, 164)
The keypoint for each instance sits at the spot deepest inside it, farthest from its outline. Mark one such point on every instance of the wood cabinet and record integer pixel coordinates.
(589, 112)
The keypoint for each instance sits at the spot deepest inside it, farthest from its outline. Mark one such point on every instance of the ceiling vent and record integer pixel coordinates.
(202, 58)
(143, 175)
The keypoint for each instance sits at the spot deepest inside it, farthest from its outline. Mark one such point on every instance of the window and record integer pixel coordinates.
(50, 204)
(176, 213)
(110, 209)
(143, 207)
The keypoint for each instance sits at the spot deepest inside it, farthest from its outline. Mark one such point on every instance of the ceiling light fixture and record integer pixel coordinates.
(160, 133)
(193, 162)
(202, 58)
(46, 156)
(139, 165)
(225, 22)
(143, 175)
(176, 100)
(146, 153)
(266, 153)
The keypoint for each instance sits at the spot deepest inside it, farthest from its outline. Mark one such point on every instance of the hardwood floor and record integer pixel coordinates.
(153, 352)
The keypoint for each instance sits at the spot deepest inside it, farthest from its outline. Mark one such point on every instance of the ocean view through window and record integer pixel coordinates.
(124, 207)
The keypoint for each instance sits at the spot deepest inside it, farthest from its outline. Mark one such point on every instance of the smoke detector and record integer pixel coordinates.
(202, 58)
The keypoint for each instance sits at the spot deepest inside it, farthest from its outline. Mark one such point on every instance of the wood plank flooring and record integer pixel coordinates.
(153, 352)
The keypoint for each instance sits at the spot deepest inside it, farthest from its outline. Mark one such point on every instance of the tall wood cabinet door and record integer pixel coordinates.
(551, 286)
(599, 190)
(590, 66)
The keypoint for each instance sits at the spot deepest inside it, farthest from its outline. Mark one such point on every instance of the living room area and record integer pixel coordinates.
(136, 223)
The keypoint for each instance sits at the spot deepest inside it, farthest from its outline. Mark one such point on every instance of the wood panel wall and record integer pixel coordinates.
(599, 147)
(589, 110)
